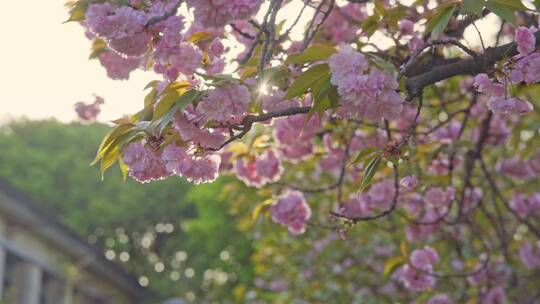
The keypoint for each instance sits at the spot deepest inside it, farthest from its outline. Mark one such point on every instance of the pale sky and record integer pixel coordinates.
(45, 67)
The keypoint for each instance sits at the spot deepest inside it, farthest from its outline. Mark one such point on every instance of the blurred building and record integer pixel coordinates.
(44, 262)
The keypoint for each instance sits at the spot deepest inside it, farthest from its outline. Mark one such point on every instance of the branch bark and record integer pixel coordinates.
(415, 85)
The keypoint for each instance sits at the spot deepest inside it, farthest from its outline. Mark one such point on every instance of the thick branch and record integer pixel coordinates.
(481, 63)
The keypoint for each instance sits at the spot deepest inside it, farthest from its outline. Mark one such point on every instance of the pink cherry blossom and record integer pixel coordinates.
(507, 106)
(116, 66)
(441, 165)
(415, 233)
(131, 47)
(269, 166)
(525, 204)
(417, 275)
(424, 258)
(439, 199)
(216, 48)
(125, 22)
(529, 255)
(215, 66)
(173, 61)
(273, 101)
(122, 27)
(345, 64)
(439, 299)
(217, 13)
(207, 138)
(258, 172)
(534, 164)
(495, 295)
(406, 27)
(413, 202)
(515, 167)
(416, 44)
(354, 207)
(174, 158)
(97, 18)
(246, 171)
(89, 112)
(416, 280)
(448, 133)
(484, 85)
(201, 168)
(370, 95)
(294, 135)
(227, 104)
(340, 26)
(526, 69)
(291, 210)
(380, 196)
(242, 9)
(144, 164)
(525, 41)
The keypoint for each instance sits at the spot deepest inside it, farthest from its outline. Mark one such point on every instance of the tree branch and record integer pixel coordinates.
(415, 85)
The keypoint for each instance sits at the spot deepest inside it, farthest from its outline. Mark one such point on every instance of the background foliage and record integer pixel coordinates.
(50, 161)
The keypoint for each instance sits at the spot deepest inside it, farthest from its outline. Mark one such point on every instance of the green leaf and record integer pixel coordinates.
(392, 264)
(260, 208)
(473, 6)
(313, 53)
(199, 36)
(110, 139)
(514, 5)
(152, 84)
(306, 80)
(384, 65)
(370, 171)
(502, 11)
(439, 21)
(177, 86)
(280, 25)
(370, 25)
(363, 154)
(98, 47)
(165, 104)
(112, 153)
(123, 168)
(333, 96)
(109, 159)
(188, 98)
(320, 95)
(78, 12)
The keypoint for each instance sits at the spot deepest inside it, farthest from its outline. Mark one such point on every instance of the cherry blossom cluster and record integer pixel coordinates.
(363, 94)
(291, 210)
(145, 33)
(147, 164)
(218, 13)
(416, 274)
(530, 254)
(521, 169)
(89, 112)
(525, 70)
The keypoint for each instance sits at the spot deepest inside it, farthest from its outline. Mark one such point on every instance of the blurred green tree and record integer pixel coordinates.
(181, 238)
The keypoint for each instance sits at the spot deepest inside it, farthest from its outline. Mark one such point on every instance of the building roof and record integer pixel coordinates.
(19, 207)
